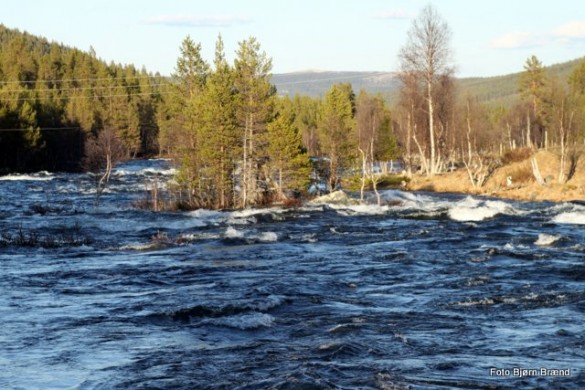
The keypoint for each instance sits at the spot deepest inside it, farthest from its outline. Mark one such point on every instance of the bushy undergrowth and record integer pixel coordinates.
(354, 183)
(65, 236)
(521, 175)
(516, 155)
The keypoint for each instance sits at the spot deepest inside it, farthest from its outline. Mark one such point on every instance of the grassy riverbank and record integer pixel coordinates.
(523, 186)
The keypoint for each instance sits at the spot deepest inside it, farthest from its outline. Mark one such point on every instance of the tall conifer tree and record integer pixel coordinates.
(255, 102)
(336, 123)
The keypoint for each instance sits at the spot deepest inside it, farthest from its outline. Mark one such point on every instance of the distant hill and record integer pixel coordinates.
(497, 89)
(505, 88)
(315, 83)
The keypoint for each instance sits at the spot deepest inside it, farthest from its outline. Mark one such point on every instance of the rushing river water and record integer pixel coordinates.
(427, 292)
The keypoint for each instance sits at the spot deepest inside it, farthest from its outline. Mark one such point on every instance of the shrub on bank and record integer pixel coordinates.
(354, 183)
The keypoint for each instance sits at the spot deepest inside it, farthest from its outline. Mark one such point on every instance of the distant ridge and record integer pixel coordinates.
(316, 83)
(496, 89)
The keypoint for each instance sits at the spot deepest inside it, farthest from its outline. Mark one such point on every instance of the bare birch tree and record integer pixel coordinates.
(427, 56)
(101, 155)
(369, 118)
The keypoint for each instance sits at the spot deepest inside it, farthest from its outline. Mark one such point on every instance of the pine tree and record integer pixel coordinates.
(67, 88)
(289, 167)
(533, 85)
(220, 145)
(306, 112)
(191, 75)
(255, 98)
(32, 135)
(336, 123)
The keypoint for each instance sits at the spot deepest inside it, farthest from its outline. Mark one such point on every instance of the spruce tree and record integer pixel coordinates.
(289, 167)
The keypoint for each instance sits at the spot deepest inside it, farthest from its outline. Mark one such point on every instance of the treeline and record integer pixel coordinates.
(53, 99)
(237, 143)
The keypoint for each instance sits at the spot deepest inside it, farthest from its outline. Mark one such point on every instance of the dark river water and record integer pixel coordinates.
(431, 291)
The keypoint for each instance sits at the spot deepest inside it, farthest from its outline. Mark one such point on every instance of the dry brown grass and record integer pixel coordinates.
(524, 186)
(516, 155)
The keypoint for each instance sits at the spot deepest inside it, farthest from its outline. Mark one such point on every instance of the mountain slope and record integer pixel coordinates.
(505, 88)
(315, 84)
(497, 89)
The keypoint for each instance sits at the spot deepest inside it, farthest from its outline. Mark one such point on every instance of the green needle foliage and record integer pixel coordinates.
(221, 127)
(54, 98)
(336, 125)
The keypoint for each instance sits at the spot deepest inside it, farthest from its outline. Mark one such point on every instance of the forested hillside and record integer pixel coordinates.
(316, 83)
(504, 89)
(497, 89)
(53, 98)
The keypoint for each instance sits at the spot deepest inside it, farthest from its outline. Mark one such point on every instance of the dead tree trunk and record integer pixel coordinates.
(536, 171)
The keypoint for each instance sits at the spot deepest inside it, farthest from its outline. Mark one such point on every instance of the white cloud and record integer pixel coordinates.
(395, 14)
(573, 30)
(516, 40)
(562, 35)
(197, 20)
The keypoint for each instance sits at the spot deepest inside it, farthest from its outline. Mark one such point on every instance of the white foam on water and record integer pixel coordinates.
(575, 218)
(244, 321)
(399, 196)
(183, 238)
(546, 239)
(362, 209)
(41, 176)
(334, 231)
(248, 215)
(309, 237)
(271, 301)
(250, 212)
(144, 171)
(231, 232)
(423, 204)
(480, 302)
(165, 172)
(267, 237)
(140, 247)
(207, 217)
(242, 221)
(471, 209)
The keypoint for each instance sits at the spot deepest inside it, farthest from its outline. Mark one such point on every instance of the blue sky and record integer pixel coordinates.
(489, 37)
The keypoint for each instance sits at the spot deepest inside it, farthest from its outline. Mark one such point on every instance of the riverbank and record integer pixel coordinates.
(522, 187)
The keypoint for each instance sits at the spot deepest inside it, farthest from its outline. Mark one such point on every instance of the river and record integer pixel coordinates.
(430, 291)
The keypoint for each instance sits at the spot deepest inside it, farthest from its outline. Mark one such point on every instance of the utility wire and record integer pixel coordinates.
(44, 129)
(94, 88)
(81, 79)
(70, 97)
(164, 85)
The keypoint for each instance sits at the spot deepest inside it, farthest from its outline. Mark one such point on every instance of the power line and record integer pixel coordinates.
(73, 97)
(79, 79)
(95, 88)
(44, 129)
